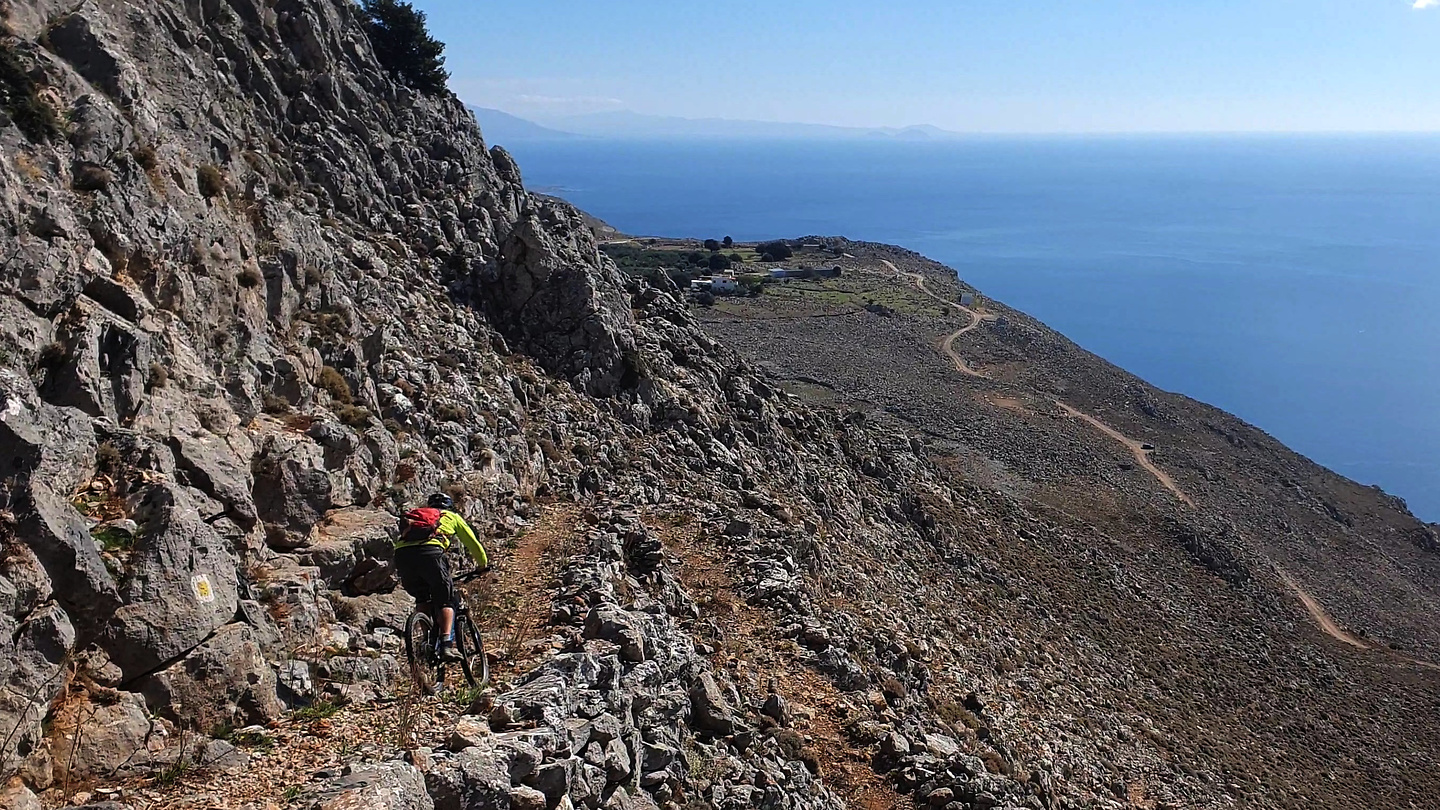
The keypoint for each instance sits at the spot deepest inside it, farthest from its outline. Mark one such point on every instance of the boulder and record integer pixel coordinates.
(371, 611)
(34, 654)
(105, 367)
(381, 786)
(88, 43)
(16, 796)
(708, 708)
(373, 576)
(482, 775)
(570, 312)
(221, 470)
(352, 548)
(940, 746)
(612, 623)
(295, 598)
(105, 736)
(334, 559)
(224, 681)
(521, 798)
(293, 489)
(776, 708)
(468, 733)
(183, 585)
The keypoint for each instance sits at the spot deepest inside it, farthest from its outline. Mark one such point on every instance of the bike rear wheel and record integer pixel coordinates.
(471, 646)
(420, 652)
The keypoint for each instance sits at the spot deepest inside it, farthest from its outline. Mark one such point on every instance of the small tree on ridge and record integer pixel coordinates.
(404, 45)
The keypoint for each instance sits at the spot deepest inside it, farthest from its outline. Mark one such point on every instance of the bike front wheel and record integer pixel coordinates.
(472, 651)
(420, 652)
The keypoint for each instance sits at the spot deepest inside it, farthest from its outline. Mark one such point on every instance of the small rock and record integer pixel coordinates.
(776, 708)
(527, 798)
(468, 733)
(940, 746)
(894, 745)
(708, 710)
(940, 797)
(422, 758)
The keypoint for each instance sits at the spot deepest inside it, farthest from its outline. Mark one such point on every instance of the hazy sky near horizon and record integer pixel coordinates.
(969, 65)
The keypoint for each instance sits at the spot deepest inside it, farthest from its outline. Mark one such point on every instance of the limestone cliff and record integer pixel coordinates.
(256, 297)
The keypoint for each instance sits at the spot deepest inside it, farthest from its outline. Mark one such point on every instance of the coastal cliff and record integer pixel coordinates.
(257, 297)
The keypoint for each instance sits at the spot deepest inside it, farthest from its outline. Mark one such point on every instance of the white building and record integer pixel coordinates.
(721, 286)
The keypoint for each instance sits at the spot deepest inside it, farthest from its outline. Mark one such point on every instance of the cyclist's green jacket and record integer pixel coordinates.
(451, 526)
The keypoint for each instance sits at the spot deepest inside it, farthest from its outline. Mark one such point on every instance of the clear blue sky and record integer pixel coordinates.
(972, 65)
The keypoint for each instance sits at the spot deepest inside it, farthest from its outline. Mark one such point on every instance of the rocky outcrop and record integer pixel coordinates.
(181, 585)
(258, 298)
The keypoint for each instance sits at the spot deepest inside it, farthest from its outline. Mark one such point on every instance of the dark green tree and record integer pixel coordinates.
(729, 243)
(777, 250)
(404, 45)
(712, 245)
(719, 261)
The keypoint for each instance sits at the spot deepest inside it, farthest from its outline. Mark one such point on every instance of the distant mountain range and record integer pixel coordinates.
(502, 127)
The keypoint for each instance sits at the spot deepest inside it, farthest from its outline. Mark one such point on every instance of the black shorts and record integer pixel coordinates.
(425, 575)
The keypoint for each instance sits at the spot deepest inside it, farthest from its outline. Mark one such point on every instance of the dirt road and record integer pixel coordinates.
(1320, 616)
(1142, 457)
(1137, 449)
(948, 345)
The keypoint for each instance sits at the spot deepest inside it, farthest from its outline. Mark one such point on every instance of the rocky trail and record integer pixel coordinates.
(277, 763)
(810, 704)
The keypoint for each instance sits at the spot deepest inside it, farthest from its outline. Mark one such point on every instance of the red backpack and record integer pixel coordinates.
(418, 526)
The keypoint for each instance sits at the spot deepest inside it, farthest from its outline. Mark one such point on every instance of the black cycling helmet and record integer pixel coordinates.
(441, 501)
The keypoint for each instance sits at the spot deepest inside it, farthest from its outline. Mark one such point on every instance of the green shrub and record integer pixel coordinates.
(404, 46)
(211, 180)
(91, 177)
(777, 251)
(333, 383)
(112, 539)
(108, 458)
(355, 416)
(319, 710)
(450, 413)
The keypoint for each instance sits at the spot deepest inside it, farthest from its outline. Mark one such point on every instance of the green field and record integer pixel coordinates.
(806, 297)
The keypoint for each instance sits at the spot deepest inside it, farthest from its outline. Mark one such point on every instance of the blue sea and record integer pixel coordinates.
(1294, 281)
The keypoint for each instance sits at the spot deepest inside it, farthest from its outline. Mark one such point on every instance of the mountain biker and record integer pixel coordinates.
(425, 536)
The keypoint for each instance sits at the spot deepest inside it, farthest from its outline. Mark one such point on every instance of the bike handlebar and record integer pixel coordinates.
(471, 576)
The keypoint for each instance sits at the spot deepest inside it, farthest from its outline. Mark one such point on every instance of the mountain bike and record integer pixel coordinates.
(422, 644)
